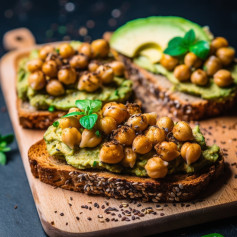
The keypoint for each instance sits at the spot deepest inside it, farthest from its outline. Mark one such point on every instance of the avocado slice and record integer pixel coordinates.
(152, 33)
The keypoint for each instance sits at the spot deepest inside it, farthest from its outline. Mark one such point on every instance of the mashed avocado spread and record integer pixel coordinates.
(88, 158)
(209, 92)
(119, 90)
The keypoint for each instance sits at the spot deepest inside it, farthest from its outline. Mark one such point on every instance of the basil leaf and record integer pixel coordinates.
(8, 138)
(94, 163)
(3, 158)
(55, 124)
(88, 121)
(95, 105)
(83, 104)
(73, 114)
(176, 41)
(176, 50)
(3, 144)
(201, 49)
(189, 38)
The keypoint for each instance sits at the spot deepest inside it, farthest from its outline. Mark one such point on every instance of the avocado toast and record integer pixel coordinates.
(179, 64)
(51, 78)
(120, 152)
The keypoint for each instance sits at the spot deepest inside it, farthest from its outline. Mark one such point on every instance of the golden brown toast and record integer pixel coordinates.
(173, 188)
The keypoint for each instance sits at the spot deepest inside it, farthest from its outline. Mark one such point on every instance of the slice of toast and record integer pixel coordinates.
(173, 188)
(159, 98)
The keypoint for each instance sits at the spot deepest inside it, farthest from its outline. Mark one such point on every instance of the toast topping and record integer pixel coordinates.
(111, 138)
(56, 76)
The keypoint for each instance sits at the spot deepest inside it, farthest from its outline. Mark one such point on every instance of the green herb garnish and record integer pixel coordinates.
(4, 141)
(95, 163)
(97, 133)
(181, 45)
(55, 124)
(57, 51)
(51, 108)
(89, 109)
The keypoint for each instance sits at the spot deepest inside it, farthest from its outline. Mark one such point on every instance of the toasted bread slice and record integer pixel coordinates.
(159, 97)
(173, 188)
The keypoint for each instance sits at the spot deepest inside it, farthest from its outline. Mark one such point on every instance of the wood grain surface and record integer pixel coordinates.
(66, 213)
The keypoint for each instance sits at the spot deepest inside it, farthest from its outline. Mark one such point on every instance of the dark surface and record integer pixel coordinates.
(50, 21)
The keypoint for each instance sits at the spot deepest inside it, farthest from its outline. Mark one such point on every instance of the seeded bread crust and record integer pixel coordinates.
(159, 96)
(173, 188)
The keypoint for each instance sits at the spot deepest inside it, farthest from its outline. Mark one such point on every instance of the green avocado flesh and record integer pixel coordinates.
(152, 32)
(88, 158)
(209, 92)
(120, 90)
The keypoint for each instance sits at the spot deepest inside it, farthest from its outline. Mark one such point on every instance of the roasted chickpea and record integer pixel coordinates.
(226, 55)
(69, 122)
(169, 62)
(34, 65)
(151, 118)
(167, 151)
(193, 61)
(100, 48)
(191, 152)
(107, 125)
(93, 66)
(55, 88)
(71, 137)
(75, 110)
(79, 61)
(124, 135)
(88, 82)
(105, 73)
(138, 122)
(44, 51)
(182, 131)
(111, 153)
(90, 139)
(50, 68)
(223, 78)
(115, 110)
(199, 77)
(212, 65)
(37, 80)
(118, 68)
(166, 123)
(54, 57)
(182, 72)
(66, 50)
(155, 134)
(130, 157)
(156, 167)
(85, 48)
(141, 144)
(67, 75)
(217, 43)
(133, 108)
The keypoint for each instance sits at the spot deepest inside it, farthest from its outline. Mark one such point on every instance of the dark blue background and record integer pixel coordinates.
(55, 20)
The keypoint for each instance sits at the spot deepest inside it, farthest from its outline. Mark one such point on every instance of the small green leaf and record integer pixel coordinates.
(95, 105)
(97, 133)
(3, 158)
(201, 49)
(8, 138)
(86, 105)
(55, 124)
(95, 163)
(176, 41)
(73, 114)
(3, 144)
(176, 51)
(83, 104)
(88, 121)
(57, 51)
(213, 235)
(51, 108)
(189, 38)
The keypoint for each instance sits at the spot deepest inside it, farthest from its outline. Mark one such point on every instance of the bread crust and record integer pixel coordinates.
(174, 188)
(159, 97)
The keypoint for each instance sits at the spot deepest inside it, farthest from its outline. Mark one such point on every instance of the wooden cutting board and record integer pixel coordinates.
(74, 214)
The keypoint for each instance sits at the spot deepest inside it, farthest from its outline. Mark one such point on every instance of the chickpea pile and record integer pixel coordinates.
(198, 71)
(57, 68)
(125, 133)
